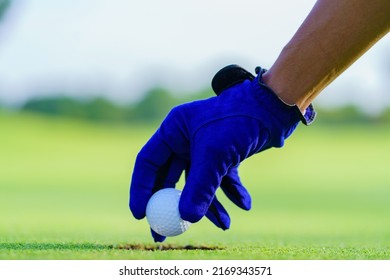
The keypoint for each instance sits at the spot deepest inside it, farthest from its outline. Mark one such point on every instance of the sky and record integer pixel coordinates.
(122, 48)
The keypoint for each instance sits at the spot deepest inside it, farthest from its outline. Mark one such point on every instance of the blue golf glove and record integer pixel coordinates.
(207, 139)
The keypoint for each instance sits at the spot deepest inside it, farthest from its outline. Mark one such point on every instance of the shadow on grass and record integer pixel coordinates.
(164, 247)
(92, 246)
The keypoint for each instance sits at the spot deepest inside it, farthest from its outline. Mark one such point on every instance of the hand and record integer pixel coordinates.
(208, 139)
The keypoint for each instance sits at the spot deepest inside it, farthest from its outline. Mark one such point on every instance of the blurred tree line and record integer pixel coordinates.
(156, 104)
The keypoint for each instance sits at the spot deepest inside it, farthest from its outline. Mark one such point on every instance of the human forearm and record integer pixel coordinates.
(334, 35)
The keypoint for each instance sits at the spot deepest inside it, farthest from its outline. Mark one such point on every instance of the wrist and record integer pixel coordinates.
(305, 112)
(284, 93)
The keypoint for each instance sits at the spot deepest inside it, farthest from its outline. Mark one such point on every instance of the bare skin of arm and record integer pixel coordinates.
(332, 37)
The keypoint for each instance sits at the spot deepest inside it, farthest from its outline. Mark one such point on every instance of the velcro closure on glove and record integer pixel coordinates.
(234, 74)
(228, 77)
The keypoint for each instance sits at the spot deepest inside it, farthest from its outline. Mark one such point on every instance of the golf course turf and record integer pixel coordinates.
(64, 187)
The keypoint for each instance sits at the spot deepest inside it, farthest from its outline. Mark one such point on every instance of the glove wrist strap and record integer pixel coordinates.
(234, 74)
(306, 117)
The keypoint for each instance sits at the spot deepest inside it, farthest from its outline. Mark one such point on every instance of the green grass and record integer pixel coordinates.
(64, 195)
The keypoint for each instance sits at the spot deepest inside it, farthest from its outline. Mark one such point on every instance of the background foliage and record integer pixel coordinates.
(157, 102)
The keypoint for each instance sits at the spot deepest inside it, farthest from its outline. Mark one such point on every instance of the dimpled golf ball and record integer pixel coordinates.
(162, 213)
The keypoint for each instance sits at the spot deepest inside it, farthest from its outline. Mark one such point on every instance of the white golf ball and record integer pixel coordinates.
(162, 213)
